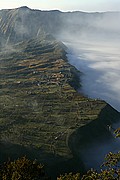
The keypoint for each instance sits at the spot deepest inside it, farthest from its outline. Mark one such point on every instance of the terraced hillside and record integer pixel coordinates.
(39, 106)
(41, 113)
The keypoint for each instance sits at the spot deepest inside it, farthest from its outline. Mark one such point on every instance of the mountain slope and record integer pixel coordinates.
(24, 23)
(41, 113)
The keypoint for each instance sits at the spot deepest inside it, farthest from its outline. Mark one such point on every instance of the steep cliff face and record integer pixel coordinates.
(42, 115)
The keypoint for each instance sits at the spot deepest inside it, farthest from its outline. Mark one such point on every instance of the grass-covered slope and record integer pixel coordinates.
(41, 113)
(38, 106)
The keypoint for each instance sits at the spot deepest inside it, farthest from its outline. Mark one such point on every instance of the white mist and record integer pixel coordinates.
(99, 62)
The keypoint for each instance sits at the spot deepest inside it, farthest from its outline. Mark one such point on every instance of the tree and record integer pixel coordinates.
(22, 169)
(25, 169)
(117, 132)
(69, 176)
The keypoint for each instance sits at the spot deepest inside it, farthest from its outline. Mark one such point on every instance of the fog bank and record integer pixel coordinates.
(99, 61)
(93, 41)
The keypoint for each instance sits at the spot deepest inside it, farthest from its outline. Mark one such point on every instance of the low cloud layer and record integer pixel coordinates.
(99, 62)
(93, 48)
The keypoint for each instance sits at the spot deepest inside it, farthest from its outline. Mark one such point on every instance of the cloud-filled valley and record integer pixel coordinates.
(95, 52)
(99, 62)
(93, 48)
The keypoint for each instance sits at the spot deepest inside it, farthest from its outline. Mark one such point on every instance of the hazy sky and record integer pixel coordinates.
(64, 5)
